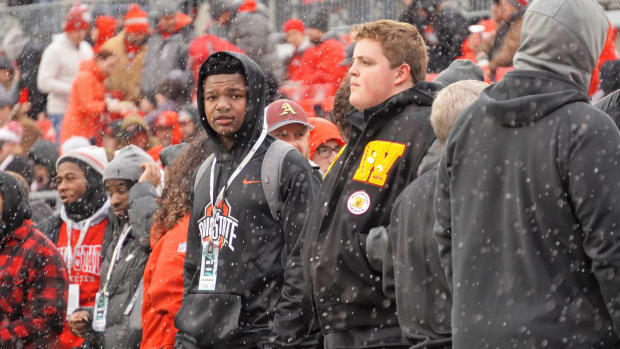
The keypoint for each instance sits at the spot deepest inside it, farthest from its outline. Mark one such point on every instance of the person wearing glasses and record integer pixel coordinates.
(325, 142)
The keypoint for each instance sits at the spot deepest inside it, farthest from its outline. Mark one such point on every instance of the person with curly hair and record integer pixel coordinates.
(163, 277)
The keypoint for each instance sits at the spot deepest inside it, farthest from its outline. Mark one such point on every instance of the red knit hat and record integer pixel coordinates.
(293, 24)
(78, 18)
(323, 131)
(136, 20)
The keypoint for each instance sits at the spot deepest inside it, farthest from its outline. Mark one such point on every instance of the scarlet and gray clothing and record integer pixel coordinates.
(527, 196)
(248, 291)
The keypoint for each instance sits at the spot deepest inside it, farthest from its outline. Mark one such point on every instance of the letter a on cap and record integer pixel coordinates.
(287, 109)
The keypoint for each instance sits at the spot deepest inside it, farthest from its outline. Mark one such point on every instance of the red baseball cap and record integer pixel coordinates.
(283, 112)
(166, 119)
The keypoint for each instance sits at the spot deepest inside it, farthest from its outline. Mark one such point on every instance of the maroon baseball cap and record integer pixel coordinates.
(283, 112)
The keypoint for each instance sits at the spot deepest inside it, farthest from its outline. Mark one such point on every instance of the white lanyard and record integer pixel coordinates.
(244, 162)
(71, 251)
(117, 249)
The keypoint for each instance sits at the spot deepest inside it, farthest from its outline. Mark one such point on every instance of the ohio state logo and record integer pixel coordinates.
(221, 229)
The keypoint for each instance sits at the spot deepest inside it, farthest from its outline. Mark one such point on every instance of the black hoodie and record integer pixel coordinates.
(15, 209)
(357, 195)
(239, 312)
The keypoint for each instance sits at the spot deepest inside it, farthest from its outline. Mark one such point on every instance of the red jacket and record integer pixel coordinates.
(321, 64)
(85, 112)
(33, 295)
(85, 271)
(163, 287)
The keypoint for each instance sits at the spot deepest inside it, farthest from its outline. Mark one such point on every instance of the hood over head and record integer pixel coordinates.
(254, 112)
(45, 153)
(15, 208)
(565, 37)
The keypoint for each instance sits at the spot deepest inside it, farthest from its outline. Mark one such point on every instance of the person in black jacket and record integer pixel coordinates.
(236, 249)
(449, 30)
(390, 136)
(527, 196)
(611, 105)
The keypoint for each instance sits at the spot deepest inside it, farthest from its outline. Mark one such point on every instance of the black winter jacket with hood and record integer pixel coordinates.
(357, 194)
(528, 201)
(240, 311)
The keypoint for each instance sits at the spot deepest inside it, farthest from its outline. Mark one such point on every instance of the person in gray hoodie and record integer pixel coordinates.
(527, 199)
(130, 181)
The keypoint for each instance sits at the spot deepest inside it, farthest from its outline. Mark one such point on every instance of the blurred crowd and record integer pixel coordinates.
(304, 186)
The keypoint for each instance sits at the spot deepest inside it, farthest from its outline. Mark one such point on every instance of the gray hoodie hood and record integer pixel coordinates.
(565, 37)
(126, 164)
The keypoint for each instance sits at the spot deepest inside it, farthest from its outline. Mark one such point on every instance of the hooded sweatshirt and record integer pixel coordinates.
(527, 196)
(44, 153)
(253, 245)
(382, 156)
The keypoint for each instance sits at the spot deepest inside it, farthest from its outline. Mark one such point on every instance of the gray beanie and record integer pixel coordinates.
(126, 164)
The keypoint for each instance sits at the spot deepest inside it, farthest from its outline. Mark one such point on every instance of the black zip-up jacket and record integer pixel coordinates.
(240, 311)
(357, 194)
(412, 272)
(528, 217)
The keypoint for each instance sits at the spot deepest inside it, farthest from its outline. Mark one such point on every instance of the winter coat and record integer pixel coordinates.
(527, 196)
(412, 272)
(163, 287)
(86, 267)
(251, 31)
(128, 270)
(127, 73)
(253, 246)
(162, 57)
(504, 44)
(85, 112)
(611, 105)
(357, 194)
(33, 277)
(450, 28)
(321, 64)
(203, 46)
(59, 66)
(295, 68)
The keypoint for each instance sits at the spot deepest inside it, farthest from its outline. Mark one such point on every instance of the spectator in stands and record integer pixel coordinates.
(10, 152)
(166, 48)
(189, 123)
(43, 156)
(172, 94)
(445, 28)
(500, 48)
(135, 130)
(109, 139)
(78, 230)
(549, 201)
(610, 79)
(9, 82)
(34, 281)
(163, 277)
(130, 180)
(86, 111)
(104, 29)
(288, 122)
(61, 61)
(325, 142)
(321, 63)
(249, 28)
(166, 129)
(130, 47)
(294, 30)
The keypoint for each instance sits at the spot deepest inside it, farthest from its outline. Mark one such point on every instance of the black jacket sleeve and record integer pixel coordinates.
(142, 207)
(592, 170)
(443, 223)
(293, 321)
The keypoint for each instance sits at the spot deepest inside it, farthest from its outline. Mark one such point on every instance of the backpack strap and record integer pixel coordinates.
(202, 169)
(271, 171)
